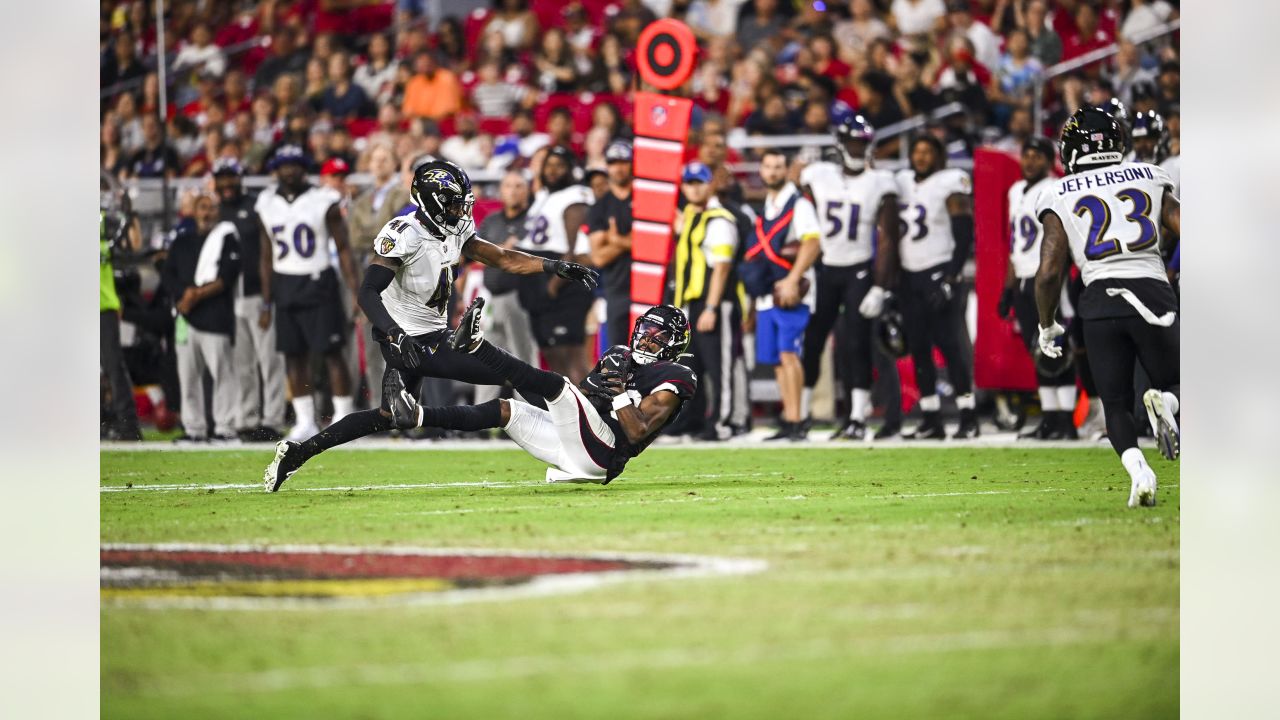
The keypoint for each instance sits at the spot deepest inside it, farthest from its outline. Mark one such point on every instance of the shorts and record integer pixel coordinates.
(780, 330)
(563, 323)
(316, 325)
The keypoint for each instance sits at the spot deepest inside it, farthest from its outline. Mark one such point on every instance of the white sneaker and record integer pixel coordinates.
(302, 431)
(1163, 424)
(1143, 490)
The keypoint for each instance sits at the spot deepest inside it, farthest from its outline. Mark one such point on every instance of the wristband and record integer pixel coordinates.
(549, 266)
(621, 401)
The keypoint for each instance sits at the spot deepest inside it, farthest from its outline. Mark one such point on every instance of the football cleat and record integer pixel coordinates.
(1163, 425)
(887, 431)
(282, 467)
(785, 431)
(930, 428)
(968, 426)
(852, 430)
(467, 336)
(1142, 492)
(406, 413)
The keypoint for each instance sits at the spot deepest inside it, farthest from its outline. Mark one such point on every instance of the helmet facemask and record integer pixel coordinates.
(444, 202)
(855, 153)
(662, 333)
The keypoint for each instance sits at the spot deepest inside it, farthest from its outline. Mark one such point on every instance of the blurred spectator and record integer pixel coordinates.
(235, 93)
(121, 63)
(913, 96)
(1015, 74)
(377, 73)
(771, 118)
(855, 34)
(513, 20)
(206, 99)
(1020, 129)
(610, 72)
(609, 229)
(451, 48)
(343, 99)
(155, 158)
(494, 49)
(525, 140)
(1044, 42)
(333, 175)
(918, 17)
(509, 324)
(200, 271)
(323, 48)
(759, 22)
(1143, 16)
(560, 126)
(986, 44)
(554, 64)
(1089, 35)
(825, 61)
(110, 156)
(284, 59)
(465, 147)
(433, 92)
(315, 83)
(198, 57)
(879, 105)
(630, 19)
(1168, 84)
(494, 96)
(129, 123)
(963, 79)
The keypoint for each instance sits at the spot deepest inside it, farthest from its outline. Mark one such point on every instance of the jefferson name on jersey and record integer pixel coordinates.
(848, 207)
(418, 298)
(926, 224)
(299, 231)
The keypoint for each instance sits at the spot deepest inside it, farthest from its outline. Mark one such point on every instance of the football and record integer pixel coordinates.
(804, 290)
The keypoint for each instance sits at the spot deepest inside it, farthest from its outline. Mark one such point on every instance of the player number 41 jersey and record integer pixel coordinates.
(418, 298)
(1025, 229)
(1112, 219)
(847, 207)
(299, 232)
(925, 222)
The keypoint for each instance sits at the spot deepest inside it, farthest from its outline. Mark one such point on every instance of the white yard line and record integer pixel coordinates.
(176, 487)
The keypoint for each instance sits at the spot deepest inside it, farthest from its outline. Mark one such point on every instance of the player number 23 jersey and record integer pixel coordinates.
(418, 299)
(1112, 219)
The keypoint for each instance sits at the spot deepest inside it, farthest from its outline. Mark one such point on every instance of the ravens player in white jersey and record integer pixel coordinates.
(937, 214)
(405, 296)
(588, 432)
(1053, 375)
(1107, 215)
(297, 219)
(858, 207)
(557, 310)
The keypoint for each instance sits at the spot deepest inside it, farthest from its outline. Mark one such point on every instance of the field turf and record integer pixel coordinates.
(901, 583)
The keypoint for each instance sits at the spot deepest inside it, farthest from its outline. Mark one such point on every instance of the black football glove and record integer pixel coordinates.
(572, 272)
(1005, 308)
(405, 349)
(604, 385)
(939, 296)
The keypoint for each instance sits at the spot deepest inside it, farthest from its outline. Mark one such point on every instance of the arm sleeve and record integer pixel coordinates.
(376, 279)
(962, 232)
(679, 380)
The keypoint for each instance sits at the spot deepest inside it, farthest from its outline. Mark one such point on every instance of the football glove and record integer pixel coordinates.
(1006, 303)
(572, 272)
(1048, 338)
(604, 385)
(872, 304)
(405, 349)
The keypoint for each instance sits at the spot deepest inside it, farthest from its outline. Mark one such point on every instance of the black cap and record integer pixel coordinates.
(1042, 144)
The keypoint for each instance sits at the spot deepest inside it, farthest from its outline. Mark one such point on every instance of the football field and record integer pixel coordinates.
(832, 582)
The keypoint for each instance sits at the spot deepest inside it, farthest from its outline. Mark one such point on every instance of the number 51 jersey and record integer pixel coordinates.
(299, 233)
(849, 206)
(418, 298)
(1112, 219)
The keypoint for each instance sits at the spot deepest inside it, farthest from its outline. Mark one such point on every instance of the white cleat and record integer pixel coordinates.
(1143, 490)
(1163, 424)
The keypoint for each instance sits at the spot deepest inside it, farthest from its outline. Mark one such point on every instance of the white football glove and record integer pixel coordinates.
(872, 303)
(1047, 337)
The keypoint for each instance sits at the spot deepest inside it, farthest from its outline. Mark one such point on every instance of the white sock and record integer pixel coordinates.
(930, 403)
(859, 404)
(343, 405)
(305, 408)
(965, 401)
(1134, 462)
(806, 397)
(1048, 399)
(1067, 397)
(1171, 400)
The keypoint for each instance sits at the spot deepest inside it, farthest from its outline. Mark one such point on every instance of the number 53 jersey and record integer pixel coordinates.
(418, 299)
(1112, 219)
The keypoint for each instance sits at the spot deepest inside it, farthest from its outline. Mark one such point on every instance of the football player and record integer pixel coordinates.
(297, 220)
(405, 296)
(559, 309)
(1056, 381)
(1107, 216)
(858, 208)
(937, 215)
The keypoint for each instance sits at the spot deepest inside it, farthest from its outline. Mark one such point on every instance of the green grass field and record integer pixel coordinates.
(901, 583)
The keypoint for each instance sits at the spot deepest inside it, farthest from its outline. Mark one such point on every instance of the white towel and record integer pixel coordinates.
(211, 253)
(1165, 320)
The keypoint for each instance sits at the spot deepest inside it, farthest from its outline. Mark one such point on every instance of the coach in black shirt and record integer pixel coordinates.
(609, 225)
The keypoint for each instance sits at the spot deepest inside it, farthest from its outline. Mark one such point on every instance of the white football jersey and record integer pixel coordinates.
(418, 299)
(1112, 219)
(299, 234)
(1173, 166)
(926, 224)
(847, 206)
(546, 230)
(1025, 229)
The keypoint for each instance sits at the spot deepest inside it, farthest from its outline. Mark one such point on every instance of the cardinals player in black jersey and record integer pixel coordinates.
(588, 432)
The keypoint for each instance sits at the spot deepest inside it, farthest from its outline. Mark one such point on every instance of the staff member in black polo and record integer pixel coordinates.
(609, 227)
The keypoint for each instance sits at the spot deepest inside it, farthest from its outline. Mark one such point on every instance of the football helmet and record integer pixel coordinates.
(663, 326)
(1091, 138)
(442, 192)
(1149, 126)
(854, 139)
(890, 335)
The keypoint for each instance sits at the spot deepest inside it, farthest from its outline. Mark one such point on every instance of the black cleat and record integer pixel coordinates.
(406, 414)
(285, 464)
(1040, 431)
(467, 337)
(1069, 431)
(887, 431)
(930, 428)
(968, 426)
(852, 430)
(785, 431)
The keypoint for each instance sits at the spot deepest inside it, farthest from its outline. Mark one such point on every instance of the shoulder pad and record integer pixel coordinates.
(397, 238)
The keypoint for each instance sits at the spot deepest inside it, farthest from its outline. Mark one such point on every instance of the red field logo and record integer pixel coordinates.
(250, 576)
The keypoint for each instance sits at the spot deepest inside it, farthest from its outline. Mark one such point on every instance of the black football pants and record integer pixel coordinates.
(930, 324)
(840, 291)
(717, 354)
(1114, 346)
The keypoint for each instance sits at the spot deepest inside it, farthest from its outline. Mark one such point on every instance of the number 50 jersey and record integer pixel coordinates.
(1112, 219)
(848, 206)
(299, 233)
(418, 299)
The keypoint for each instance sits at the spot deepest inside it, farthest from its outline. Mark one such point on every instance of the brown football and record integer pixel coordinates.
(804, 290)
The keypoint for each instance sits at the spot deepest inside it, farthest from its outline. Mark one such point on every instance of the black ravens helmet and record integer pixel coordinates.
(854, 139)
(442, 192)
(661, 333)
(1149, 137)
(1091, 138)
(890, 336)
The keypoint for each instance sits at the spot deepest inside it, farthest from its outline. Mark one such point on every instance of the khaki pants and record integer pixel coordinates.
(200, 352)
(258, 369)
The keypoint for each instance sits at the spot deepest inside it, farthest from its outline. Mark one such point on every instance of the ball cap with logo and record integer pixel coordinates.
(335, 166)
(696, 172)
(618, 151)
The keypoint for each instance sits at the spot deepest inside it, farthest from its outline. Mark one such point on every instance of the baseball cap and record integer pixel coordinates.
(335, 166)
(286, 154)
(696, 172)
(618, 151)
(227, 166)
